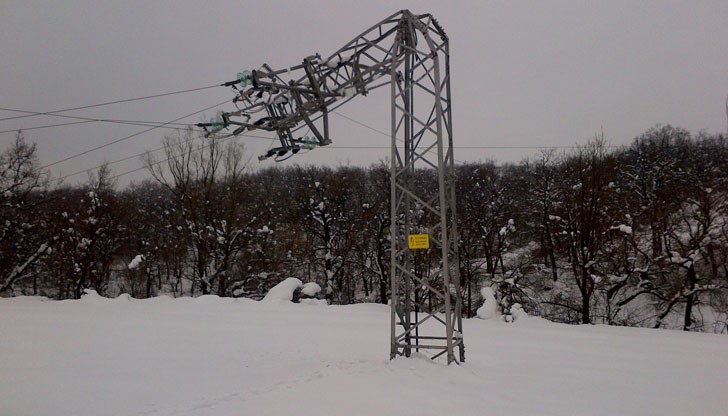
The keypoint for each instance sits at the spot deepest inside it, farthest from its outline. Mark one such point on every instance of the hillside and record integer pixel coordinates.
(220, 356)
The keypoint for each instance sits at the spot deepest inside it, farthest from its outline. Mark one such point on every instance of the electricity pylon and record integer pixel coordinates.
(410, 54)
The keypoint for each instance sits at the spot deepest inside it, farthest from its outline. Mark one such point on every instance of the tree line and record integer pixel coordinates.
(631, 236)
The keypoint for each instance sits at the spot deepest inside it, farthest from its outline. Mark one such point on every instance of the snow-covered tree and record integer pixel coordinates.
(24, 240)
(92, 235)
(374, 243)
(205, 177)
(330, 227)
(154, 235)
(588, 210)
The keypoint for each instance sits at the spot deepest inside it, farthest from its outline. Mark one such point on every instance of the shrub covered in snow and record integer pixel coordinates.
(311, 289)
(490, 304)
(283, 291)
(293, 290)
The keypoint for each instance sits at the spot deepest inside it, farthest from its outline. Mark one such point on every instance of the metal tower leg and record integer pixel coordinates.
(426, 303)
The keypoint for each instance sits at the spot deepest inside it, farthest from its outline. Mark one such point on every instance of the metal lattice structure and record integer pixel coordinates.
(410, 54)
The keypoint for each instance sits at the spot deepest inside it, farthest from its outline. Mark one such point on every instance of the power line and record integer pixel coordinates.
(48, 126)
(130, 136)
(159, 162)
(471, 147)
(455, 146)
(152, 151)
(360, 123)
(249, 136)
(106, 103)
(89, 120)
(112, 120)
(124, 122)
(270, 138)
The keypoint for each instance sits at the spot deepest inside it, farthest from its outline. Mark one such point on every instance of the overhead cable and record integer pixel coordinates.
(131, 136)
(108, 103)
(221, 139)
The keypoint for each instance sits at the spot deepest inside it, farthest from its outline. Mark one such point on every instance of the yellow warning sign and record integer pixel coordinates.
(418, 241)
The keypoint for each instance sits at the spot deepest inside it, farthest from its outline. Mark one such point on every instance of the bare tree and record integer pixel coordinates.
(23, 187)
(324, 204)
(204, 175)
(588, 214)
(543, 196)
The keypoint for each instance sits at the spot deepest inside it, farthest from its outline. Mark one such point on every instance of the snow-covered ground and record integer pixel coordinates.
(213, 356)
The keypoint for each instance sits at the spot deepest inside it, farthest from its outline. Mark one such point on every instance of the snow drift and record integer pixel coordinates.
(222, 356)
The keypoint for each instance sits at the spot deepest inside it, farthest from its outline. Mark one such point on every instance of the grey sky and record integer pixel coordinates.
(531, 73)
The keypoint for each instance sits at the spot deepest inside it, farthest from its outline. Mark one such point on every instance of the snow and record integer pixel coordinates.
(214, 356)
(516, 313)
(313, 302)
(626, 229)
(490, 304)
(283, 291)
(92, 297)
(509, 228)
(311, 289)
(135, 262)
(334, 62)
(349, 91)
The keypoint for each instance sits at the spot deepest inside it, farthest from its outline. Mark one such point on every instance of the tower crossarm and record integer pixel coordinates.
(300, 98)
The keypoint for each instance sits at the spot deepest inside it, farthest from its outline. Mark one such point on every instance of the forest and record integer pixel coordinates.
(633, 236)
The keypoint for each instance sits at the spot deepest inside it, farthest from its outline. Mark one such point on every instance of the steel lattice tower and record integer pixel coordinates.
(409, 53)
(425, 301)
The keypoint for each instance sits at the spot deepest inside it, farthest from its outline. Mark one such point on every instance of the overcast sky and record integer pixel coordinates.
(524, 73)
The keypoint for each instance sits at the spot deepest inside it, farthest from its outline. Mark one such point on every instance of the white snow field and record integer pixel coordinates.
(218, 356)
